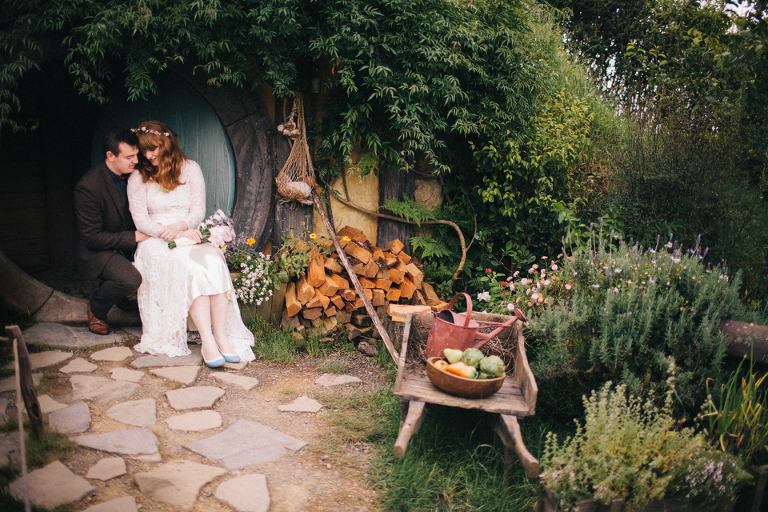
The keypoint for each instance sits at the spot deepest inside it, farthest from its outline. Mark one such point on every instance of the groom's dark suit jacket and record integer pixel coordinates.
(104, 223)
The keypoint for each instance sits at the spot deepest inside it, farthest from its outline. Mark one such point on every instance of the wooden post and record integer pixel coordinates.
(12, 331)
(24, 376)
(355, 281)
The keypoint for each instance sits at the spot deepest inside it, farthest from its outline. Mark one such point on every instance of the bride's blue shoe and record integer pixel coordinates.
(215, 363)
(231, 359)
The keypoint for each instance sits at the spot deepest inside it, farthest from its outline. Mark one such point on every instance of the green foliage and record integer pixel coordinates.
(293, 257)
(631, 310)
(630, 449)
(679, 172)
(738, 423)
(273, 344)
(529, 182)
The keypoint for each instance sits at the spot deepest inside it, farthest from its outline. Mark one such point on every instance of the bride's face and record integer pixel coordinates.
(153, 156)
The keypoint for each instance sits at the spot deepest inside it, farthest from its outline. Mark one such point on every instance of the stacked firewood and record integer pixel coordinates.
(325, 297)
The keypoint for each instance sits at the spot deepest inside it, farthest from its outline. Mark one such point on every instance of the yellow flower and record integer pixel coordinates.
(250, 241)
(345, 238)
(312, 236)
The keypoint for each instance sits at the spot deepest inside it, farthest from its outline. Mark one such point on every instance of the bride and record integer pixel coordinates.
(167, 201)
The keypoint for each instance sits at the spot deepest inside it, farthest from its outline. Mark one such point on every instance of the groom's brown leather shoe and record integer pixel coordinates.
(95, 325)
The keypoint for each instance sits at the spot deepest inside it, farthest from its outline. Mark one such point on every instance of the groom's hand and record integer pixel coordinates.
(140, 237)
(172, 231)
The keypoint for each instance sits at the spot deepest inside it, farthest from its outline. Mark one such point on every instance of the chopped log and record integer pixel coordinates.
(389, 259)
(371, 269)
(332, 265)
(384, 284)
(316, 271)
(400, 265)
(290, 323)
(314, 302)
(329, 324)
(358, 302)
(324, 299)
(368, 292)
(379, 297)
(341, 283)
(361, 320)
(358, 267)
(396, 276)
(352, 331)
(377, 253)
(311, 314)
(383, 272)
(394, 246)
(358, 252)
(337, 301)
(418, 298)
(398, 312)
(393, 295)
(430, 295)
(317, 322)
(367, 283)
(292, 304)
(403, 257)
(329, 286)
(330, 311)
(407, 288)
(417, 275)
(304, 291)
(441, 306)
(348, 294)
(352, 233)
(343, 317)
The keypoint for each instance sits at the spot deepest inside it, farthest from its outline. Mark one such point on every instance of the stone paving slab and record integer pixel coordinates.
(176, 483)
(78, 365)
(139, 413)
(153, 361)
(58, 335)
(126, 374)
(247, 493)
(126, 504)
(9, 383)
(197, 397)
(132, 441)
(48, 404)
(101, 388)
(236, 380)
(246, 443)
(107, 469)
(70, 420)
(195, 421)
(236, 366)
(112, 354)
(301, 404)
(329, 379)
(43, 359)
(52, 486)
(184, 374)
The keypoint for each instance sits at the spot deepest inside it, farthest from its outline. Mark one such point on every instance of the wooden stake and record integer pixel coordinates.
(353, 277)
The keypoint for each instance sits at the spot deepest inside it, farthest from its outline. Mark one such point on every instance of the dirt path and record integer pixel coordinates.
(325, 475)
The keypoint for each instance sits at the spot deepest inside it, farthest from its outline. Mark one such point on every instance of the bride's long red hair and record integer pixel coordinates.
(156, 134)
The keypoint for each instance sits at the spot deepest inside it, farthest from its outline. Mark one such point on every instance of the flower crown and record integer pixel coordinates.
(153, 132)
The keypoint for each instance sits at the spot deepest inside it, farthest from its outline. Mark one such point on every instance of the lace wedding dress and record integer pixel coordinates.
(173, 278)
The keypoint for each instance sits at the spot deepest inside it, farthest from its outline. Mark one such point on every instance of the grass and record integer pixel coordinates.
(334, 365)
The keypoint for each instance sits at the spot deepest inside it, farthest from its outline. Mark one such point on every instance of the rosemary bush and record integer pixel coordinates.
(629, 449)
(632, 309)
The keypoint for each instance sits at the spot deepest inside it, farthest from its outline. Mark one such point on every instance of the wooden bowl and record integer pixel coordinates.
(461, 386)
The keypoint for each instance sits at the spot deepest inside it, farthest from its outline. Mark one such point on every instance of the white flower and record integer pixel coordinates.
(484, 296)
(511, 307)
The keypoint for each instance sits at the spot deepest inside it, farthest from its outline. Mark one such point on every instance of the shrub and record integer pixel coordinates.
(630, 310)
(628, 449)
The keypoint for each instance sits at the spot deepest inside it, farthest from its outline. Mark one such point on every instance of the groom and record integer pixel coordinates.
(106, 235)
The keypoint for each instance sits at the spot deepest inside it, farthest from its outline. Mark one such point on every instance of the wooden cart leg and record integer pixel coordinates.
(509, 432)
(409, 427)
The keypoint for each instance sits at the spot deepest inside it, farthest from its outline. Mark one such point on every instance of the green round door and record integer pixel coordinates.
(201, 134)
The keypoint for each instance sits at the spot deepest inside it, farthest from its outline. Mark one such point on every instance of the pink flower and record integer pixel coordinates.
(554, 266)
(220, 235)
(524, 281)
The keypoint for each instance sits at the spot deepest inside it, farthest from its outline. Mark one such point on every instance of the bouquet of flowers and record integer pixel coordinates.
(217, 230)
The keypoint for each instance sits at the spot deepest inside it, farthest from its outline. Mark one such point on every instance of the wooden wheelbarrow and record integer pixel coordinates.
(516, 398)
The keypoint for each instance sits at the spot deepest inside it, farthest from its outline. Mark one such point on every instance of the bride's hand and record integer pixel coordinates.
(193, 235)
(172, 231)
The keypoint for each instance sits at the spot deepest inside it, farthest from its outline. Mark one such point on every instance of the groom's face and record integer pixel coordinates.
(124, 161)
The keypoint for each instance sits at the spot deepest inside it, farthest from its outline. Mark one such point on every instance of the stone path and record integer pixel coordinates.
(127, 431)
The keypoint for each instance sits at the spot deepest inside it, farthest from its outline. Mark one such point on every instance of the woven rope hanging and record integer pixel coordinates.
(296, 179)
